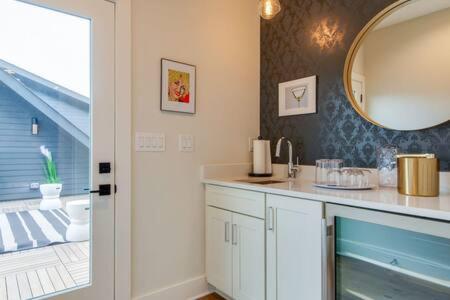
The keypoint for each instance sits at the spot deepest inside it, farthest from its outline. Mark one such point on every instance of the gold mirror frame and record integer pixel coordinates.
(354, 50)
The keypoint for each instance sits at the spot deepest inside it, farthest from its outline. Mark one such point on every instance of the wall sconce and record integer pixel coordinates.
(328, 34)
(34, 126)
(268, 9)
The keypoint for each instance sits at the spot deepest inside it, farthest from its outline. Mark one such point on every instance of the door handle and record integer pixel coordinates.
(103, 190)
(270, 219)
(227, 232)
(234, 234)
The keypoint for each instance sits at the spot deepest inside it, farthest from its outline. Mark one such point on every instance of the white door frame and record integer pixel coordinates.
(122, 256)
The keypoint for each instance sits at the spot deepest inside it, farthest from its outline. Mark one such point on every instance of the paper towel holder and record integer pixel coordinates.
(261, 158)
(251, 174)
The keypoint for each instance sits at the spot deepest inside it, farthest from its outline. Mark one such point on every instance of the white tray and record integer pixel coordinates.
(349, 188)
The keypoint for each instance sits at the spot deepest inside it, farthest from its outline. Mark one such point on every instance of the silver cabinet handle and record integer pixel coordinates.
(270, 219)
(234, 235)
(227, 232)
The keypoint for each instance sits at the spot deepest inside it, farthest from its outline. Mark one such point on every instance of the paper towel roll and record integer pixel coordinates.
(259, 157)
(262, 163)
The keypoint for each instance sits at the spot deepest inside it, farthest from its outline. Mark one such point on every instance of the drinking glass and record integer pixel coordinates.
(387, 166)
(322, 166)
(355, 177)
(334, 171)
(328, 171)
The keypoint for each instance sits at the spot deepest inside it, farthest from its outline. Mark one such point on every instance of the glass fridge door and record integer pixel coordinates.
(375, 260)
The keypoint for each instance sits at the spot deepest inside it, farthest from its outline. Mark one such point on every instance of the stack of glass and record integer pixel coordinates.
(331, 172)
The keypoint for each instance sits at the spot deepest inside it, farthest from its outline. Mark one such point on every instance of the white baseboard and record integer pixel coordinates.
(190, 289)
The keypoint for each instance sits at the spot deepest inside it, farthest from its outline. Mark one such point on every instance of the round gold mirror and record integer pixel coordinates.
(397, 72)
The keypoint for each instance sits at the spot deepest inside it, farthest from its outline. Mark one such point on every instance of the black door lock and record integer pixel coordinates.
(104, 168)
(103, 190)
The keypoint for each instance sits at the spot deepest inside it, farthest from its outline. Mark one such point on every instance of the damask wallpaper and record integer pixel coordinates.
(312, 37)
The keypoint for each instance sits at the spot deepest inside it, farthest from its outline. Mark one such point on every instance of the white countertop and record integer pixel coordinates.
(384, 199)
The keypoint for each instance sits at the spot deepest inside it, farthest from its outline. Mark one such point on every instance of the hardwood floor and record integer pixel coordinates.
(212, 297)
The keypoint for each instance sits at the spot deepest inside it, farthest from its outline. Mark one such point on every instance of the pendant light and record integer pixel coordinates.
(269, 8)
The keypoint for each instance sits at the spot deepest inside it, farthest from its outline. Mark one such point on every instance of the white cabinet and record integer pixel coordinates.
(235, 246)
(248, 258)
(218, 249)
(294, 248)
(262, 246)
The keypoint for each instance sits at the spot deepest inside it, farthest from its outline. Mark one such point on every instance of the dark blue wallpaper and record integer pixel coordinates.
(312, 37)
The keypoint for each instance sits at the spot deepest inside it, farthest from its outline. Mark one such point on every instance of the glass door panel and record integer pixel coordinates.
(56, 120)
(375, 261)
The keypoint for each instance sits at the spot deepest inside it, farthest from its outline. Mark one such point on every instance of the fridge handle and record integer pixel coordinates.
(328, 259)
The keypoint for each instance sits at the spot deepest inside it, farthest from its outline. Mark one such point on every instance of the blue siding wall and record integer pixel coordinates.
(20, 160)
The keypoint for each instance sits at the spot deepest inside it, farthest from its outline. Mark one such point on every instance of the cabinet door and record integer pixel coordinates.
(248, 258)
(294, 249)
(218, 249)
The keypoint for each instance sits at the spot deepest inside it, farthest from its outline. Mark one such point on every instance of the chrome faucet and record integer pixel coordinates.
(292, 170)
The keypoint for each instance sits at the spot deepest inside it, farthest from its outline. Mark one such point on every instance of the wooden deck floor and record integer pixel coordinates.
(41, 271)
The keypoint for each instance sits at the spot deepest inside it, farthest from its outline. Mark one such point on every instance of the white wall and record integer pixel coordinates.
(222, 39)
(358, 63)
(407, 70)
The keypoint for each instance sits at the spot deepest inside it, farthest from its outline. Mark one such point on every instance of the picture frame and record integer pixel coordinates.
(297, 97)
(178, 86)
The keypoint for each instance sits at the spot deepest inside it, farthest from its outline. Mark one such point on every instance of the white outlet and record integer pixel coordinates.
(185, 143)
(34, 185)
(150, 142)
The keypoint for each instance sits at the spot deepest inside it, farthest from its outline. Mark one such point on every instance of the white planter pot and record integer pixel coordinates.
(50, 196)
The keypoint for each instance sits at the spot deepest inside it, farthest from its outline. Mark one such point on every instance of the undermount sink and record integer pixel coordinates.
(269, 181)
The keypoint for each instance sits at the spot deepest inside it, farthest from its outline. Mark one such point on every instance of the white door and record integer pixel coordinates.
(248, 258)
(359, 90)
(62, 70)
(294, 248)
(218, 249)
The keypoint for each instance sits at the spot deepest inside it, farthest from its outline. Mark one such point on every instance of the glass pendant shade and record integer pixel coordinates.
(269, 8)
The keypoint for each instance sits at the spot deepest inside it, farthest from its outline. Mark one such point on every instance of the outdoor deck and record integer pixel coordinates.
(41, 271)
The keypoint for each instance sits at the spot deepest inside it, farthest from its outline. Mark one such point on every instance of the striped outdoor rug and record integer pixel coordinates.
(31, 229)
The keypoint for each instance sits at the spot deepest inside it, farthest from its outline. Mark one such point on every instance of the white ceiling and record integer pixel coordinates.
(416, 9)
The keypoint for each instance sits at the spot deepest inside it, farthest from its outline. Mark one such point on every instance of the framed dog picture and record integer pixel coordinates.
(177, 86)
(297, 97)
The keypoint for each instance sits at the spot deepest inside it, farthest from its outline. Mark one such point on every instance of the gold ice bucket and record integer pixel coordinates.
(418, 175)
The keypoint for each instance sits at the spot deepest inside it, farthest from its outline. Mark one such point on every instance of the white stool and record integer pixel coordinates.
(50, 203)
(78, 212)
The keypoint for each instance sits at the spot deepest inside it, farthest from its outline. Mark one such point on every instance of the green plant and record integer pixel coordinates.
(49, 166)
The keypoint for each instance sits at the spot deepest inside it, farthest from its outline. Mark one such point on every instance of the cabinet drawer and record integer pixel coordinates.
(240, 201)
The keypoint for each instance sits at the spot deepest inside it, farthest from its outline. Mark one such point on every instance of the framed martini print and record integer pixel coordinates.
(178, 88)
(297, 97)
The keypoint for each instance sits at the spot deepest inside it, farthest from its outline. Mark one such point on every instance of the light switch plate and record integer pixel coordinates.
(150, 142)
(185, 143)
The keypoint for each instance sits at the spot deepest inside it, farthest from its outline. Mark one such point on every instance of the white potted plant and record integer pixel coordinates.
(52, 189)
